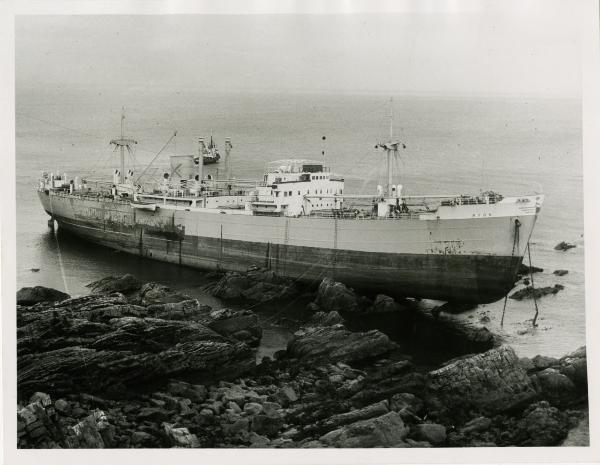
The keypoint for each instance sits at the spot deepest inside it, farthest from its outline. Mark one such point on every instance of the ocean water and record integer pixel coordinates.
(454, 145)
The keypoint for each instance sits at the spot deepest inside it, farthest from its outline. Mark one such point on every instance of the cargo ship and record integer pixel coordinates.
(299, 221)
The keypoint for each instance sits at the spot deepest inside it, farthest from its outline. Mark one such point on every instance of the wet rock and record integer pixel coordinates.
(490, 382)
(271, 408)
(74, 369)
(413, 383)
(155, 293)
(194, 392)
(233, 322)
(555, 386)
(564, 246)
(62, 406)
(430, 432)
(180, 437)
(334, 296)
(529, 292)
(286, 395)
(560, 272)
(574, 366)
(33, 295)
(541, 362)
(93, 432)
(335, 343)
(188, 310)
(254, 285)
(384, 431)
(407, 405)
(267, 425)
(325, 319)
(42, 398)
(370, 411)
(545, 425)
(257, 440)
(476, 425)
(413, 444)
(143, 439)
(124, 284)
(384, 304)
(252, 408)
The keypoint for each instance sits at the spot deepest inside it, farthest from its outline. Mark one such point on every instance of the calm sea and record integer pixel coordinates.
(453, 145)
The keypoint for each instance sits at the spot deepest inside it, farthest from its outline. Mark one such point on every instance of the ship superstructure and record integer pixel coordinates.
(299, 221)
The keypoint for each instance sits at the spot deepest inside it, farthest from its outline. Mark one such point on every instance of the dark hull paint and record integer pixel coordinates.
(449, 277)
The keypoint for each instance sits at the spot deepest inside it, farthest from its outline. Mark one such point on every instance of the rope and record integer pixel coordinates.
(515, 241)
(60, 260)
(532, 287)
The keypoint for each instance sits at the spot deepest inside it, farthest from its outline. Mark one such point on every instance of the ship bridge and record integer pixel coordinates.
(288, 183)
(296, 166)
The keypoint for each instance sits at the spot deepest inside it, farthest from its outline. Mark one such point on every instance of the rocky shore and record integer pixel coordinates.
(139, 365)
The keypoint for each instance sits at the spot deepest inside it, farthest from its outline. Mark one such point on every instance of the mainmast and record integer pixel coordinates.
(123, 143)
(389, 147)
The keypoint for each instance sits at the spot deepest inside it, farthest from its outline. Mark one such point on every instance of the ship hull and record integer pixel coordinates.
(415, 258)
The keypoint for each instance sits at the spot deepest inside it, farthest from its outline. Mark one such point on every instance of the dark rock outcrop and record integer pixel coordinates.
(336, 343)
(490, 382)
(564, 246)
(387, 430)
(124, 367)
(529, 292)
(333, 296)
(124, 284)
(33, 295)
(560, 272)
(255, 286)
(325, 319)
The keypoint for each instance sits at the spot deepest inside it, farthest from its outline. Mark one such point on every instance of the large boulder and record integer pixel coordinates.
(93, 432)
(493, 381)
(156, 293)
(387, 430)
(544, 425)
(430, 432)
(33, 295)
(555, 386)
(574, 366)
(325, 319)
(334, 296)
(240, 324)
(255, 285)
(336, 343)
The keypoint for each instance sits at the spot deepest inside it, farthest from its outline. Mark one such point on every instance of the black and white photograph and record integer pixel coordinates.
(300, 229)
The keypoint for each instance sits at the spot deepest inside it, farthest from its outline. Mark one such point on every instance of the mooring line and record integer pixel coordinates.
(60, 260)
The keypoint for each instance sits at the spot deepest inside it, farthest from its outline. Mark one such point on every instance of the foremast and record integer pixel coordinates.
(123, 143)
(391, 149)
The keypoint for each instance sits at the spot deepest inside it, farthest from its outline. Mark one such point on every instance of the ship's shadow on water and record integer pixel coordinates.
(84, 261)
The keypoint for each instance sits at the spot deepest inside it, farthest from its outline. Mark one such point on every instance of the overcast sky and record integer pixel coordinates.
(528, 50)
